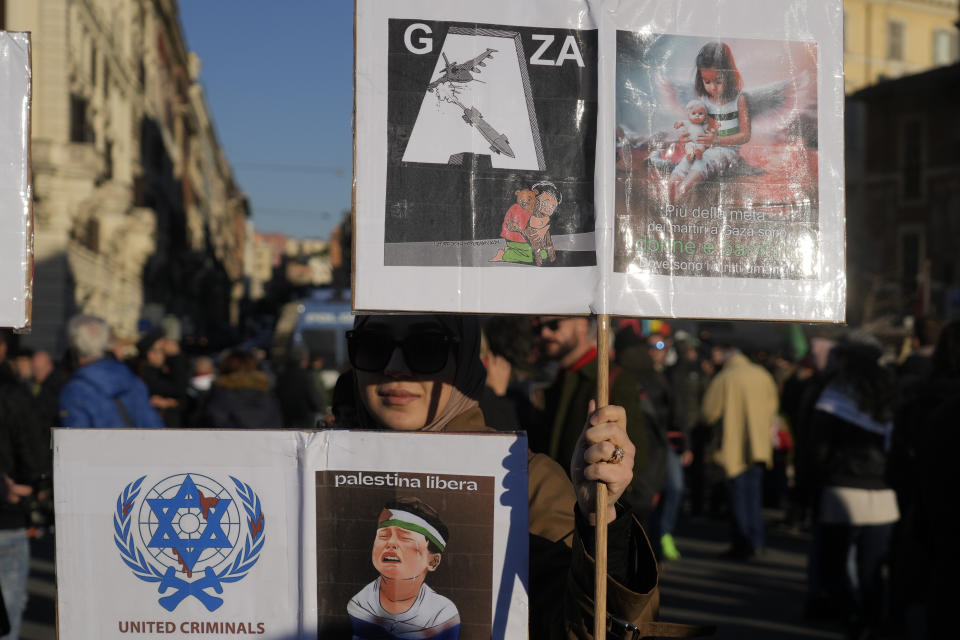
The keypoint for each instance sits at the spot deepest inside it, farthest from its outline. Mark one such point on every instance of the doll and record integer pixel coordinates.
(697, 125)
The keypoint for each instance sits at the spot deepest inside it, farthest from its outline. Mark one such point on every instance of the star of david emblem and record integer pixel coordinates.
(189, 523)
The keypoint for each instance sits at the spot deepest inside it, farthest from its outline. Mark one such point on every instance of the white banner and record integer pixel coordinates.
(16, 237)
(478, 126)
(226, 534)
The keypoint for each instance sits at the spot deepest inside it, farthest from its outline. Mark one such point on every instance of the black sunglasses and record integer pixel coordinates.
(540, 325)
(424, 352)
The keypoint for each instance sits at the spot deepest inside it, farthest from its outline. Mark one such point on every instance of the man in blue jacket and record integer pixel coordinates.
(103, 392)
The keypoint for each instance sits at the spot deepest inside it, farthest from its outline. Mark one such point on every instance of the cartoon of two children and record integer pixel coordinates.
(409, 543)
(526, 226)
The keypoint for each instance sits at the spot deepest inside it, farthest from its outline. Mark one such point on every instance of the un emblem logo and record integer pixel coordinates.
(190, 534)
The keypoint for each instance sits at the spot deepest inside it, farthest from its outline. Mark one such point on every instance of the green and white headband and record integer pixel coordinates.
(411, 522)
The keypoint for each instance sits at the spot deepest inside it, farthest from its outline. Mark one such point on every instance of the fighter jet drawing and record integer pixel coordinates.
(454, 72)
(498, 141)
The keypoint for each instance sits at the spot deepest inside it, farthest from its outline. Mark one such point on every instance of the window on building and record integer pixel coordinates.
(93, 65)
(896, 33)
(844, 31)
(853, 133)
(80, 127)
(90, 237)
(944, 47)
(911, 252)
(139, 191)
(912, 160)
(108, 160)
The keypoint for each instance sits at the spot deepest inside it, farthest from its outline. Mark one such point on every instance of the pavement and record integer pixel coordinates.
(746, 600)
(39, 620)
(760, 598)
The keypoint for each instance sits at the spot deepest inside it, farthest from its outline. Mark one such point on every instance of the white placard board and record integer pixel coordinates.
(525, 158)
(128, 500)
(476, 483)
(224, 534)
(16, 237)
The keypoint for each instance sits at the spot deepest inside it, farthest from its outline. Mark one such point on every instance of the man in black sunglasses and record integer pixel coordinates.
(572, 342)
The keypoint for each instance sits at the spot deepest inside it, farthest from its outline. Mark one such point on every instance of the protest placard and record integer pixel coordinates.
(188, 533)
(751, 223)
(540, 158)
(447, 512)
(284, 534)
(16, 224)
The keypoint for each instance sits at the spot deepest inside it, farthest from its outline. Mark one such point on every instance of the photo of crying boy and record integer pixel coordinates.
(409, 544)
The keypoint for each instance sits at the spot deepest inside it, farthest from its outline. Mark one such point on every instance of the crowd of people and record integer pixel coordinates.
(845, 439)
(103, 382)
(846, 435)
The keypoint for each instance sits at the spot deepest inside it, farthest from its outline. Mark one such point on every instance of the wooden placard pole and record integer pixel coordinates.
(600, 551)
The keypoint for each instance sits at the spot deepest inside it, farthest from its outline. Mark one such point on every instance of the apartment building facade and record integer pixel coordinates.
(138, 215)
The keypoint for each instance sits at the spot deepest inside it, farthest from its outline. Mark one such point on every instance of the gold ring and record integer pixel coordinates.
(617, 456)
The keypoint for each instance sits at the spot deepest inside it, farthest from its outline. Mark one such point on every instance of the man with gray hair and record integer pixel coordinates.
(102, 392)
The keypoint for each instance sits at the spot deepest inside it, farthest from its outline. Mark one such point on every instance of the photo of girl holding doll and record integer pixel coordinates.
(728, 125)
(760, 131)
(718, 84)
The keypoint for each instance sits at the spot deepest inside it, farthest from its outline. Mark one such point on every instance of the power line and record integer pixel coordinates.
(295, 168)
(312, 212)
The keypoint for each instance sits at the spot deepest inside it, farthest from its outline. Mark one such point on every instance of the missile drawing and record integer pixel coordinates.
(498, 141)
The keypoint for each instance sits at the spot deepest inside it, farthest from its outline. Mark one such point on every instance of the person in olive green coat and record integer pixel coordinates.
(571, 341)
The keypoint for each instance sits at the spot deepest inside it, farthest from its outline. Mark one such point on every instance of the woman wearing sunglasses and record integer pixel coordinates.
(423, 373)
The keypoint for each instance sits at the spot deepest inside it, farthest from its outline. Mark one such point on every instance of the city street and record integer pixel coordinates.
(227, 233)
(763, 598)
(39, 619)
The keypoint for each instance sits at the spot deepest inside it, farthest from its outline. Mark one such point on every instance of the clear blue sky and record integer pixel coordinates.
(278, 77)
